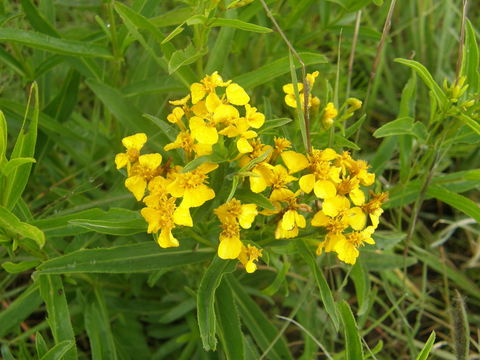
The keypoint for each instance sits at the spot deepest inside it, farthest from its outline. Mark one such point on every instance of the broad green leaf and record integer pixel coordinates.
(427, 348)
(14, 268)
(402, 126)
(247, 196)
(353, 345)
(53, 294)
(324, 289)
(238, 24)
(471, 59)
(13, 225)
(262, 330)
(24, 148)
(20, 309)
(228, 322)
(206, 300)
(59, 351)
(40, 345)
(130, 258)
(427, 78)
(267, 73)
(48, 43)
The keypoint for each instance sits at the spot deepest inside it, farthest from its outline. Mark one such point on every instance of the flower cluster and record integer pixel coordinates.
(218, 112)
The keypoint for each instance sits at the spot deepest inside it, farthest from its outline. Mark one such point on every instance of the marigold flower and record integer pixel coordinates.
(329, 113)
(347, 246)
(186, 142)
(236, 95)
(235, 210)
(191, 186)
(248, 255)
(289, 90)
(240, 128)
(133, 144)
(147, 167)
(230, 244)
(203, 131)
(373, 207)
(279, 179)
(255, 119)
(206, 86)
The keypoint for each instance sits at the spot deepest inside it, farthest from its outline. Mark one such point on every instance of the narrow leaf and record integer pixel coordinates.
(353, 345)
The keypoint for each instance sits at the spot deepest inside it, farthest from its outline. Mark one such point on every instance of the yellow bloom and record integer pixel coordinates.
(329, 113)
(261, 178)
(359, 168)
(279, 179)
(206, 86)
(351, 186)
(236, 211)
(374, 207)
(191, 186)
(147, 167)
(289, 90)
(230, 245)
(240, 128)
(255, 119)
(186, 142)
(203, 131)
(347, 246)
(226, 114)
(236, 95)
(133, 144)
(339, 206)
(175, 117)
(248, 255)
(291, 220)
(181, 102)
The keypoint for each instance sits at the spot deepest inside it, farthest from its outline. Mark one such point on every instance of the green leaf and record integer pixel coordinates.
(362, 286)
(267, 73)
(382, 262)
(13, 225)
(467, 120)
(223, 45)
(247, 196)
(206, 300)
(343, 142)
(48, 43)
(238, 24)
(427, 78)
(20, 309)
(184, 57)
(353, 345)
(471, 59)
(53, 294)
(59, 351)
(13, 164)
(257, 323)
(212, 158)
(131, 258)
(459, 202)
(14, 268)
(325, 292)
(6, 354)
(402, 126)
(37, 21)
(427, 348)
(3, 137)
(274, 123)
(352, 5)
(228, 321)
(24, 148)
(40, 345)
(278, 281)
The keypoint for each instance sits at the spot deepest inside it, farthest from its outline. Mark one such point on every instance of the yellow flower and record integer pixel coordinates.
(255, 119)
(359, 168)
(374, 207)
(181, 102)
(147, 167)
(261, 177)
(329, 113)
(230, 245)
(291, 220)
(191, 186)
(347, 246)
(206, 86)
(226, 114)
(351, 186)
(186, 142)
(248, 255)
(240, 128)
(133, 144)
(203, 131)
(339, 206)
(289, 90)
(235, 210)
(236, 95)
(323, 175)
(279, 179)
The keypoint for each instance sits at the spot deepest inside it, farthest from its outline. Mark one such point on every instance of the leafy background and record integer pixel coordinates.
(79, 75)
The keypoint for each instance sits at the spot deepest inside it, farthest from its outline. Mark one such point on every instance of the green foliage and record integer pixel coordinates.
(81, 279)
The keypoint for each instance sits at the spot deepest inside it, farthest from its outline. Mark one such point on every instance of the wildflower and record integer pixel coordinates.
(186, 142)
(289, 90)
(261, 177)
(374, 207)
(329, 113)
(133, 144)
(191, 186)
(234, 210)
(359, 169)
(351, 186)
(347, 246)
(147, 167)
(203, 131)
(206, 86)
(240, 128)
(279, 179)
(291, 220)
(255, 119)
(230, 245)
(175, 117)
(248, 255)
(180, 102)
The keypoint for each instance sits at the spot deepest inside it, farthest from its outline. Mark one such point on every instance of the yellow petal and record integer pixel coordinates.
(320, 219)
(357, 196)
(207, 167)
(250, 267)
(197, 196)
(300, 220)
(152, 217)
(291, 101)
(288, 88)
(288, 220)
(357, 218)
(175, 189)
(136, 184)
(307, 182)
(347, 252)
(334, 205)
(135, 141)
(201, 132)
(244, 146)
(229, 248)
(212, 102)
(181, 216)
(202, 149)
(198, 92)
(225, 113)
(281, 194)
(121, 160)
(328, 155)
(324, 189)
(257, 184)
(247, 215)
(150, 161)
(166, 239)
(236, 95)
(294, 161)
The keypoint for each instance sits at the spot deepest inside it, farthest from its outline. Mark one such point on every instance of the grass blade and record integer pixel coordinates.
(427, 348)
(353, 345)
